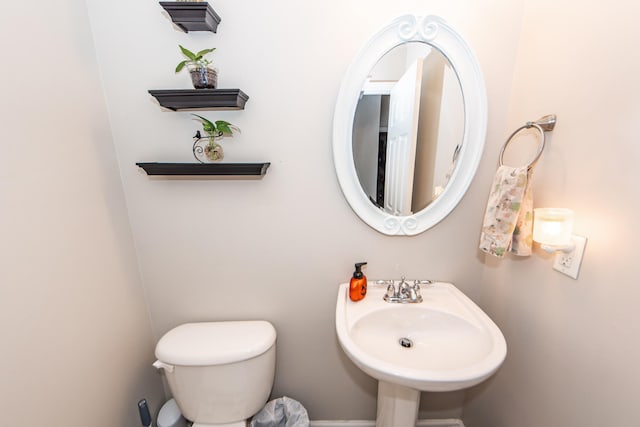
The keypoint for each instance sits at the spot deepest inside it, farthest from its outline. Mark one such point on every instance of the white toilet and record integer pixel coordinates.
(220, 373)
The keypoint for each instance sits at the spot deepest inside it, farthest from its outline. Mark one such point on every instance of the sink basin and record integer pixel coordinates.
(444, 343)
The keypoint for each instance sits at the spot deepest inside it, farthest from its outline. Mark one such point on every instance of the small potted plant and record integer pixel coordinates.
(212, 151)
(202, 75)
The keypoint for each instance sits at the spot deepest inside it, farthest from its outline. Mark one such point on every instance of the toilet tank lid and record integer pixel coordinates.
(215, 343)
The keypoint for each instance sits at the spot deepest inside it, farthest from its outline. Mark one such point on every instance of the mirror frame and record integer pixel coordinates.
(437, 33)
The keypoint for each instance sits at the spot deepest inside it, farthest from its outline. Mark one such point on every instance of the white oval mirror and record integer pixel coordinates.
(409, 125)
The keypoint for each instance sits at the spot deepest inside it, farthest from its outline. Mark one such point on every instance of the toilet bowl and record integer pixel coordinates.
(220, 373)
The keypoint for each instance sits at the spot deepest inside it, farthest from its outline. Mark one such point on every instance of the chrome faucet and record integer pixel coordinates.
(405, 293)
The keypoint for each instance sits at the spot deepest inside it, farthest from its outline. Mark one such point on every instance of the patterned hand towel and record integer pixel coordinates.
(508, 218)
(522, 239)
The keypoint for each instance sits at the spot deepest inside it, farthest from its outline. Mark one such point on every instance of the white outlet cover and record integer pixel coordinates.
(569, 263)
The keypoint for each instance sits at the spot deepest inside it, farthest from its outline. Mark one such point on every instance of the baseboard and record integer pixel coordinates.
(366, 423)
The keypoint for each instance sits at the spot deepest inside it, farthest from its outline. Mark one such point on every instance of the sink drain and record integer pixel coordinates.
(405, 342)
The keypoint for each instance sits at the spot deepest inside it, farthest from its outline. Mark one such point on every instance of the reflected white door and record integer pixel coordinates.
(404, 106)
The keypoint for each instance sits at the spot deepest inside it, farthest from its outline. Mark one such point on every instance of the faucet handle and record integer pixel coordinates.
(391, 291)
(416, 289)
(414, 292)
(422, 282)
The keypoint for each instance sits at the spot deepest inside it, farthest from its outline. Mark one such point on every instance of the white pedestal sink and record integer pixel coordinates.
(444, 343)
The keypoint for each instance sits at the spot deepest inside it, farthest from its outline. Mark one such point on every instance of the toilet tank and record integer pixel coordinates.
(219, 372)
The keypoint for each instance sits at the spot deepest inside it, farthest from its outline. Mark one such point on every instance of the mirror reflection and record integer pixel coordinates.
(408, 128)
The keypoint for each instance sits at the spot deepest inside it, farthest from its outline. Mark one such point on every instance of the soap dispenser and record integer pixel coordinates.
(358, 283)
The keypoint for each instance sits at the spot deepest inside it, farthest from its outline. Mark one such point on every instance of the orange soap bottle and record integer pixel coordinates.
(358, 283)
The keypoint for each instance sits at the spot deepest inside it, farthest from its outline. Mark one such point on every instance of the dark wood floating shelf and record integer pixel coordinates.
(209, 99)
(192, 16)
(258, 169)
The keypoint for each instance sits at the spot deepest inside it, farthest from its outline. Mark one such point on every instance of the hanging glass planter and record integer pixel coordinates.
(206, 149)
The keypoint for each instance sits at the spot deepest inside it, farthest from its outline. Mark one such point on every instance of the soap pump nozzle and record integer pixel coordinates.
(358, 273)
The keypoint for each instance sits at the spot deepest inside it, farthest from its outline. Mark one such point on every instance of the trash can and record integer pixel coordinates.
(170, 416)
(281, 412)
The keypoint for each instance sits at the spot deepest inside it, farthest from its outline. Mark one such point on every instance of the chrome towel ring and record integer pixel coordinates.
(543, 124)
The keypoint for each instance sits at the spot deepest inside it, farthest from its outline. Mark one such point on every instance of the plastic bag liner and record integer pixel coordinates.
(281, 412)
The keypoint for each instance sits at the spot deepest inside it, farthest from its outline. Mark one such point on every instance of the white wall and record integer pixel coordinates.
(573, 344)
(277, 248)
(76, 337)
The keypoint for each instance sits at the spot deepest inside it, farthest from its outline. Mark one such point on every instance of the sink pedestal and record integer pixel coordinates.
(397, 405)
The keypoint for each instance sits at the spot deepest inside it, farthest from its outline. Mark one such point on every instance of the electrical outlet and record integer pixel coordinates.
(569, 262)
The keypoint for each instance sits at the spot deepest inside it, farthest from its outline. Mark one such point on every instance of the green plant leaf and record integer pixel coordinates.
(207, 125)
(225, 127)
(204, 52)
(187, 53)
(181, 65)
